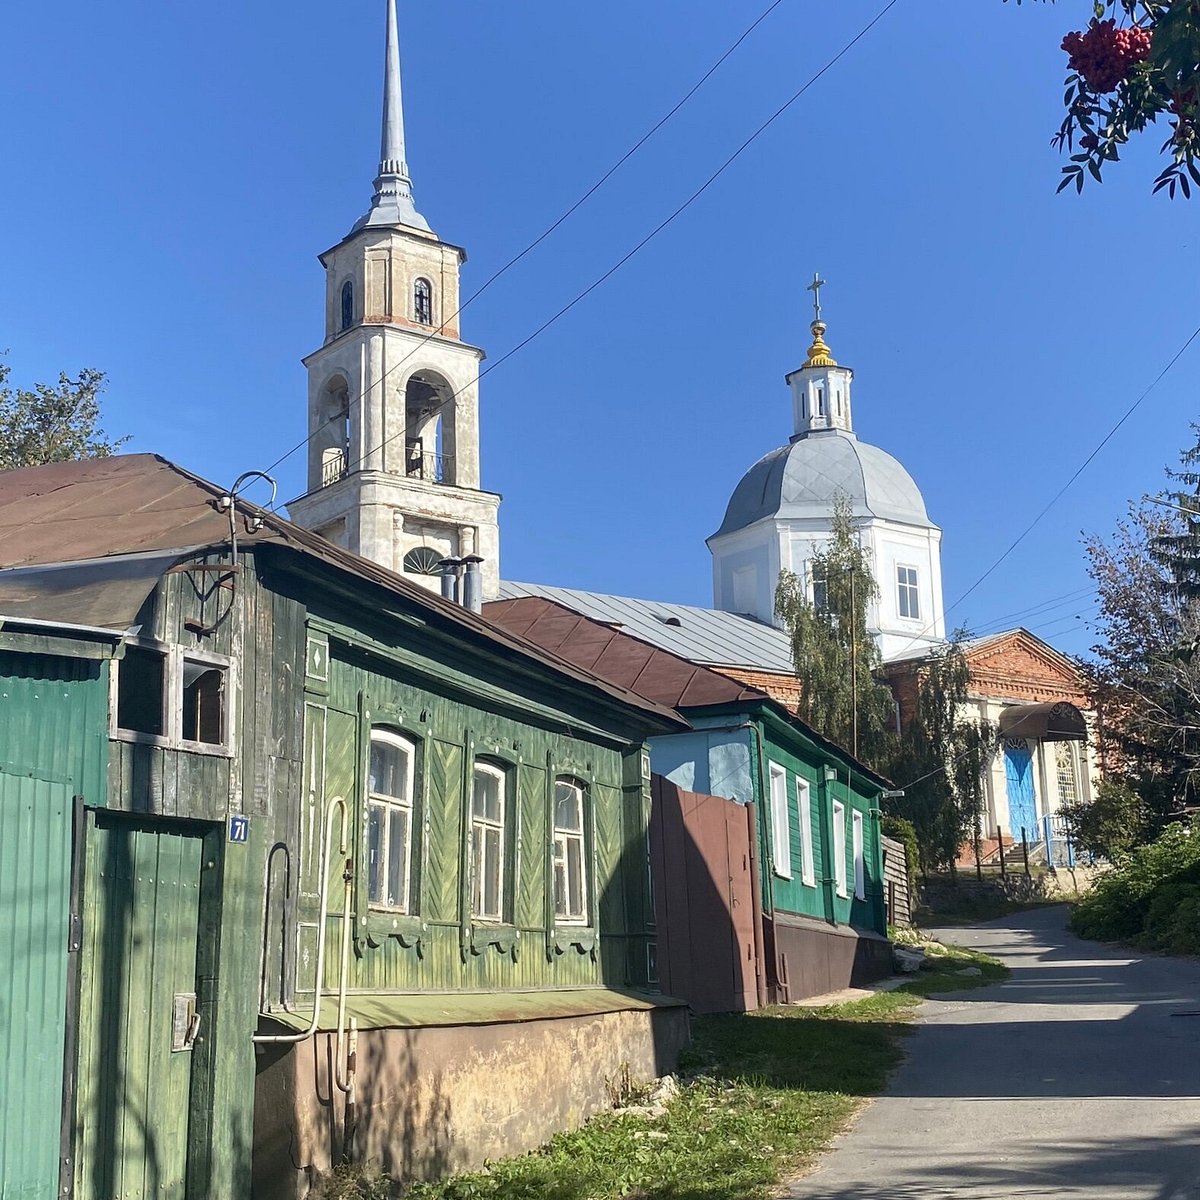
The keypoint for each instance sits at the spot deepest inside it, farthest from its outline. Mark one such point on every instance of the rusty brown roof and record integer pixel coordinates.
(649, 671)
(131, 504)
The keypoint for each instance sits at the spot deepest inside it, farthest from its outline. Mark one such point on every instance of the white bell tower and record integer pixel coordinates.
(393, 393)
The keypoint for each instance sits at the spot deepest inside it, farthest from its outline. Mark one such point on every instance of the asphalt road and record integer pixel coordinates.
(1079, 1076)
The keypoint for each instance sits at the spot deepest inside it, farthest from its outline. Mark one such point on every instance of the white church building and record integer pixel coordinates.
(781, 513)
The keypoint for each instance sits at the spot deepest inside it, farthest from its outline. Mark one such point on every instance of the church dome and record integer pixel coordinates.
(803, 478)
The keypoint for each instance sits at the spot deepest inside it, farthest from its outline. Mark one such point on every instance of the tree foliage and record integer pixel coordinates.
(1111, 824)
(1145, 670)
(942, 757)
(1137, 61)
(52, 423)
(836, 659)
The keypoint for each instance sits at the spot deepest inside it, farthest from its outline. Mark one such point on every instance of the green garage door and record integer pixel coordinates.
(138, 1009)
(35, 880)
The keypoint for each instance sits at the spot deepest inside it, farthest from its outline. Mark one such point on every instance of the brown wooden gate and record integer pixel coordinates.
(706, 899)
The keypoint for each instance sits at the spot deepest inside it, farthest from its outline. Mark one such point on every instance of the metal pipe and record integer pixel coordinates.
(336, 803)
(343, 973)
(450, 568)
(472, 597)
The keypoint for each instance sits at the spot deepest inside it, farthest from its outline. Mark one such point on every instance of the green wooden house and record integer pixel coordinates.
(300, 858)
(820, 848)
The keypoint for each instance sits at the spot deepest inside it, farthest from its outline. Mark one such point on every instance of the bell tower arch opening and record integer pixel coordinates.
(331, 438)
(429, 424)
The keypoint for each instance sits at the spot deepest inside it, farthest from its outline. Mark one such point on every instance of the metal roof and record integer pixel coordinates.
(651, 671)
(805, 477)
(701, 635)
(105, 593)
(613, 654)
(130, 504)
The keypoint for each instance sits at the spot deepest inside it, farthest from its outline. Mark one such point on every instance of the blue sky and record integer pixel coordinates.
(172, 171)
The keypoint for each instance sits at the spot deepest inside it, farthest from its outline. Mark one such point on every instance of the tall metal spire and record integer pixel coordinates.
(392, 203)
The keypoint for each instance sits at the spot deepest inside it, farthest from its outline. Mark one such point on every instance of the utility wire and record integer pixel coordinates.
(665, 222)
(1059, 494)
(512, 262)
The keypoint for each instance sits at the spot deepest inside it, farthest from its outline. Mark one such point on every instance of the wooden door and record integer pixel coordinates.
(139, 1016)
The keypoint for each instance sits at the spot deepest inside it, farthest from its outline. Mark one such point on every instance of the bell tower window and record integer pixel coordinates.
(347, 305)
(423, 301)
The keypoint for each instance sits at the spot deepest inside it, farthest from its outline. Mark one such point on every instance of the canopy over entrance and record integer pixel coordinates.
(1057, 722)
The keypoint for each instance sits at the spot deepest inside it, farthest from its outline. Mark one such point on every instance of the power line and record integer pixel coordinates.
(1078, 471)
(512, 262)
(998, 623)
(664, 223)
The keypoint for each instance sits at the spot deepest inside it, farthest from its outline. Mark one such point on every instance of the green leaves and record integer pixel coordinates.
(52, 423)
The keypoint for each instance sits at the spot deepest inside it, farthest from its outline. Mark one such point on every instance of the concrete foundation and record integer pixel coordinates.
(432, 1101)
(814, 958)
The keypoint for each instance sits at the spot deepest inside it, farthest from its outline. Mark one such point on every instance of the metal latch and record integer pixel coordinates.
(185, 1021)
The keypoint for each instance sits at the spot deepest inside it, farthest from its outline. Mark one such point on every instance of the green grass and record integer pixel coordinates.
(762, 1095)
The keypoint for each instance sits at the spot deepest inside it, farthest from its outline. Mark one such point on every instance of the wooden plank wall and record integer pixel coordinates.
(895, 883)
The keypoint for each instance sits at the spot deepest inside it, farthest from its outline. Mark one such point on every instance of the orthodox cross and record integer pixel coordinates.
(815, 287)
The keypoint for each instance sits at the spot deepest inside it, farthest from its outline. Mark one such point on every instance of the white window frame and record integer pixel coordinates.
(808, 872)
(910, 591)
(387, 803)
(173, 660)
(562, 840)
(482, 825)
(218, 662)
(860, 864)
(839, 847)
(781, 833)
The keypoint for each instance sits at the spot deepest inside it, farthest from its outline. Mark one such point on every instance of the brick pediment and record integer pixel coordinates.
(1019, 666)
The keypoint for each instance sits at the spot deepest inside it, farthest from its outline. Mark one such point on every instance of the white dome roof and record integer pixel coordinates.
(803, 478)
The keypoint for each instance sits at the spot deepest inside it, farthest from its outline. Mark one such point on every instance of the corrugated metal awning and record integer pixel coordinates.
(1056, 722)
(106, 593)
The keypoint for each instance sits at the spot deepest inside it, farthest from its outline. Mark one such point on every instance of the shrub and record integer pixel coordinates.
(1111, 824)
(1151, 898)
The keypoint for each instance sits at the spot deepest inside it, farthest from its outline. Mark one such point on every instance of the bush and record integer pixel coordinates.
(1151, 898)
(1111, 824)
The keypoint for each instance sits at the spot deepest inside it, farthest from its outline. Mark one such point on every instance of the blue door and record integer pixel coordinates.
(1022, 808)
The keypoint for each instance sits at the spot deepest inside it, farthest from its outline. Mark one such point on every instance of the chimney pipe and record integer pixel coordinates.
(450, 568)
(472, 584)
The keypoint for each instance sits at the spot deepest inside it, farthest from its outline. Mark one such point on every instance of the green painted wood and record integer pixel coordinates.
(35, 864)
(142, 916)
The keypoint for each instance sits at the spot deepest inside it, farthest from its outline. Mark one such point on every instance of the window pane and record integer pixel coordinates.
(397, 873)
(375, 851)
(488, 801)
(389, 769)
(203, 703)
(140, 690)
(560, 878)
(568, 808)
(491, 894)
(575, 877)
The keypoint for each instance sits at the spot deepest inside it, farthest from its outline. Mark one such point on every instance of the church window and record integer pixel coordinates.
(424, 560)
(820, 402)
(423, 301)
(819, 587)
(908, 593)
(839, 401)
(347, 305)
(1068, 777)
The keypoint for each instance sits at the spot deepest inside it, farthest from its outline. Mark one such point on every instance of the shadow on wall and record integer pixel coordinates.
(401, 1122)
